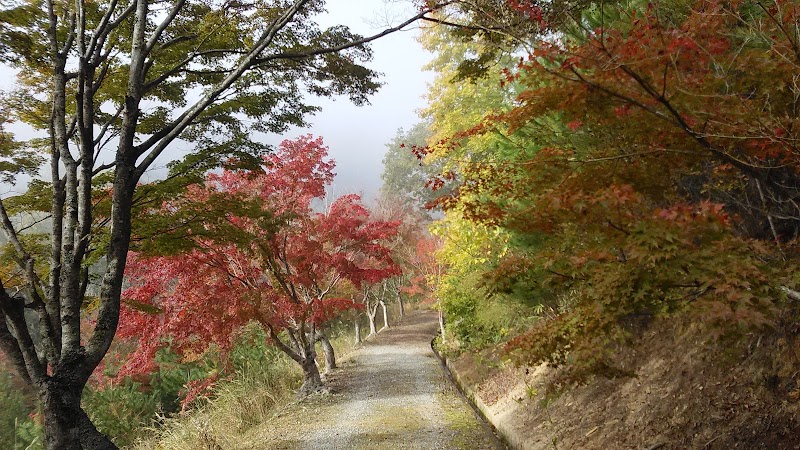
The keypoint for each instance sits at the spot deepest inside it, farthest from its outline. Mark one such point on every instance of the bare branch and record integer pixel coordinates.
(24, 259)
(284, 348)
(176, 8)
(13, 309)
(356, 43)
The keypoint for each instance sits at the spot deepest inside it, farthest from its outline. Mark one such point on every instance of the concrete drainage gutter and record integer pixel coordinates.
(505, 432)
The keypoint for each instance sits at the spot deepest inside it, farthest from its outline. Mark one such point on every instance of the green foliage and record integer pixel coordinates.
(476, 314)
(17, 429)
(37, 245)
(477, 319)
(36, 199)
(600, 199)
(15, 157)
(261, 380)
(404, 174)
(121, 410)
(29, 435)
(252, 350)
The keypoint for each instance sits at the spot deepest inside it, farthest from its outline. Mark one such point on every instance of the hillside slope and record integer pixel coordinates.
(685, 394)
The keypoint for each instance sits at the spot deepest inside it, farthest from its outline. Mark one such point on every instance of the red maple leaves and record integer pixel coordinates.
(269, 258)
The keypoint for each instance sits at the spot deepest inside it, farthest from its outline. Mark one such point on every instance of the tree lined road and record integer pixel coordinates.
(391, 393)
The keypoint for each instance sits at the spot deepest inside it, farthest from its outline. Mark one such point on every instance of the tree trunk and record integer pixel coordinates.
(312, 382)
(327, 350)
(91, 438)
(303, 353)
(441, 324)
(66, 425)
(371, 313)
(358, 330)
(402, 305)
(385, 316)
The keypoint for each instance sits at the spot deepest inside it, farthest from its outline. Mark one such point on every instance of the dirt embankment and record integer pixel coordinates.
(686, 394)
(391, 393)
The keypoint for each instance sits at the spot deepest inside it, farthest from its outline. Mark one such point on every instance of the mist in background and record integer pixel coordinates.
(356, 136)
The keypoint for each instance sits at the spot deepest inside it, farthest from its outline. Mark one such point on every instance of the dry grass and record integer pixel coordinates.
(252, 398)
(236, 406)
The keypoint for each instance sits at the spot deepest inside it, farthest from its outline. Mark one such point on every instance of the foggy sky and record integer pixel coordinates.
(355, 135)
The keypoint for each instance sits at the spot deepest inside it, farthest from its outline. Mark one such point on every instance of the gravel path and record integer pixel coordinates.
(391, 393)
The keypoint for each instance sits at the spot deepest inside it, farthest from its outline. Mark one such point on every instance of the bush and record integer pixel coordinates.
(120, 411)
(18, 430)
(29, 434)
(263, 378)
(123, 409)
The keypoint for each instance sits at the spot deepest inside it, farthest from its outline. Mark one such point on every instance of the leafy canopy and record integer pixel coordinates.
(646, 168)
(268, 258)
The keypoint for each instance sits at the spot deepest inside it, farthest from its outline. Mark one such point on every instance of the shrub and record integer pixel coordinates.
(18, 429)
(122, 409)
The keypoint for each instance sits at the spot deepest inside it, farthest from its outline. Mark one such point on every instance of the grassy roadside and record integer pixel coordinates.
(236, 405)
(253, 396)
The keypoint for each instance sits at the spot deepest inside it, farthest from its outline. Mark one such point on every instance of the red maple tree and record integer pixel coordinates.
(268, 257)
(653, 171)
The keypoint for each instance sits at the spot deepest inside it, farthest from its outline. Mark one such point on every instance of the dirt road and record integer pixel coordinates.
(389, 394)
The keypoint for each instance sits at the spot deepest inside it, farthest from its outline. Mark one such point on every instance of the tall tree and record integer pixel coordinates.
(404, 174)
(113, 84)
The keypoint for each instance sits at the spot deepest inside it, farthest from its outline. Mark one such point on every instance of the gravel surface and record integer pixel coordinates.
(391, 393)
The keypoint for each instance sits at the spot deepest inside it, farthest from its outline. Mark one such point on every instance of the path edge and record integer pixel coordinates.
(505, 433)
